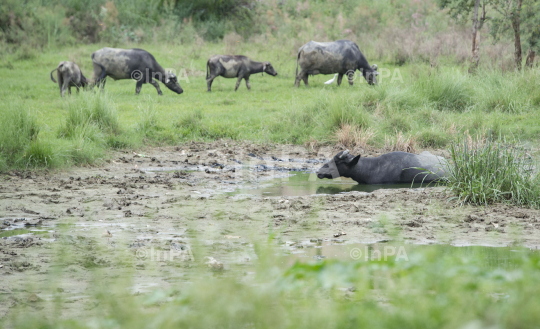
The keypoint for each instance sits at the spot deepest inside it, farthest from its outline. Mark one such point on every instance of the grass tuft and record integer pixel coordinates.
(486, 171)
(89, 116)
(18, 136)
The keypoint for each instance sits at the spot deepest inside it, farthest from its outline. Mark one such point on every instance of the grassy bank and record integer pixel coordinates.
(431, 287)
(414, 104)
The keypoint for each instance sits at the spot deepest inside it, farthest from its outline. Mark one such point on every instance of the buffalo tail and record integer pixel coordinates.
(52, 76)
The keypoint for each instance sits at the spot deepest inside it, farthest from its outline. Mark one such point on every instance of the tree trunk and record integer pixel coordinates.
(475, 57)
(530, 59)
(517, 38)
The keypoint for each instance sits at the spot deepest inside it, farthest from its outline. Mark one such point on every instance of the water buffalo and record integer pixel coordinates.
(390, 168)
(136, 64)
(69, 75)
(239, 67)
(342, 57)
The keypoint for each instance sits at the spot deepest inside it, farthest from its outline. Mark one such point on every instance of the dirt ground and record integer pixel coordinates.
(115, 217)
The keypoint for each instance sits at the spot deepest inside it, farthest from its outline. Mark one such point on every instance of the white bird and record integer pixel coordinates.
(329, 82)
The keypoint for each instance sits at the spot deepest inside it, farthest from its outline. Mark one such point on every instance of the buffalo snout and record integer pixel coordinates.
(270, 70)
(327, 172)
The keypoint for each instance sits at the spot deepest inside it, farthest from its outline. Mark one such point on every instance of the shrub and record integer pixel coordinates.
(38, 154)
(90, 116)
(489, 171)
(19, 131)
(447, 91)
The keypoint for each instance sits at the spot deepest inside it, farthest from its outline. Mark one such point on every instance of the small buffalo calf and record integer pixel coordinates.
(239, 67)
(69, 75)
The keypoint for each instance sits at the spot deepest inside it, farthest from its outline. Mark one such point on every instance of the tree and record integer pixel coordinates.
(475, 58)
(530, 17)
(464, 8)
(510, 16)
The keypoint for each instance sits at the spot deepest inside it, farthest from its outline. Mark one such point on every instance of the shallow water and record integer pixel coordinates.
(301, 184)
(15, 232)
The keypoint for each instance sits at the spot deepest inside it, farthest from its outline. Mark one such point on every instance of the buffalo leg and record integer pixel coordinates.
(60, 82)
(155, 84)
(65, 86)
(305, 78)
(138, 86)
(339, 78)
(301, 76)
(101, 84)
(238, 83)
(209, 82)
(247, 83)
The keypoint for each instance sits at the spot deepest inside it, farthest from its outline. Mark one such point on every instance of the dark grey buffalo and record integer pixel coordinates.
(69, 75)
(136, 64)
(342, 57)
(390, 168)
(239, 67)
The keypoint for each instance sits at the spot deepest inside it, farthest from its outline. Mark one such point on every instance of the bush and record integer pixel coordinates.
(90, 116)
(489, 171)
(38, 154)
(19, 131)
(448, 91)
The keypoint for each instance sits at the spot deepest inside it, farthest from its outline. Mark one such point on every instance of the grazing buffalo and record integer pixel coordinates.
(69, 75)
(390, 168)
(239, 67)
(342, 57)
(136, 64)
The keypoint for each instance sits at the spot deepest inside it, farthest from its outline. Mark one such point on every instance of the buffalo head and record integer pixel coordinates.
(268, 68)
(340, 165)
(172, 83)
(371, 75)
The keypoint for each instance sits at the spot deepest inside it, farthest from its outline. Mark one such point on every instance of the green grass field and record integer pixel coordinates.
(428, 106)
(489, 122)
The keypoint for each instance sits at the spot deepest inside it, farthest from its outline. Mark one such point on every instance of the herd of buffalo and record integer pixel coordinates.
(342, 57)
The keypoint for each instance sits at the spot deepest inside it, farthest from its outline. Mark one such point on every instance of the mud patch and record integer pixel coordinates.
(115, 218)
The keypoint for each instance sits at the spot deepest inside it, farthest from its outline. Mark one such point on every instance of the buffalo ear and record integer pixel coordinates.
(354, 161)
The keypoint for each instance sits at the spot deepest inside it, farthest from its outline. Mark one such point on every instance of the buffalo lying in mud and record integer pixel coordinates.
(342, 57)
(136, 64)
(69, 75)
(239, 67)
(390, 168)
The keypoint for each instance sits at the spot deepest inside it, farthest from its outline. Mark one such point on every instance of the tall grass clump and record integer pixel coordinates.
(509, 92)
(447, 91)
(190, 124)
(90, 115)
(323, 118)
(485, 171)
(20, 146)
(91, 121)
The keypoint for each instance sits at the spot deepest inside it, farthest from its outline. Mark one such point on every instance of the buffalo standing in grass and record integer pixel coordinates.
(342, 57)
(136, 64)
(239, 67)
(390, 168)
(69, 75)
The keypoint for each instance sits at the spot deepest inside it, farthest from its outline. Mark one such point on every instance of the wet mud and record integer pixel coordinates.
(204, 204)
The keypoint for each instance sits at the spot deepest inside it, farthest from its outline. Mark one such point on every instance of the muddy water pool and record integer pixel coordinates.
(304, 183)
